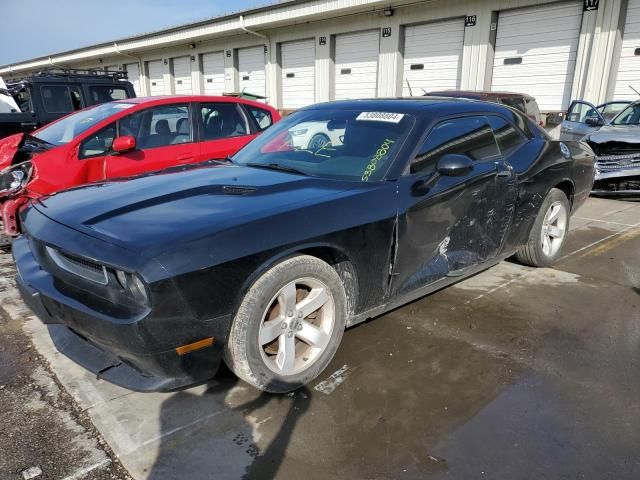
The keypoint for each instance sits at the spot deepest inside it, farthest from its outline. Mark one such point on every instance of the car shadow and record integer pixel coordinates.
(220, 442)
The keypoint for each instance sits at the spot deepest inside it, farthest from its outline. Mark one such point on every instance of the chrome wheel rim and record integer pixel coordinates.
(296, 326)
(554, 228)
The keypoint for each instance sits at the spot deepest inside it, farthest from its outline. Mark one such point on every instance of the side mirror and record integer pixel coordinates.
(454, 165)
(124, 144)
(594, 121)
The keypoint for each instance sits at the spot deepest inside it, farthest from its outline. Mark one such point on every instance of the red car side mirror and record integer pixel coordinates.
(124, 144)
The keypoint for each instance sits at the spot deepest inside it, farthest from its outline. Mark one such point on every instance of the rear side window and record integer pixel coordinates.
(471, 136)
(261, 116)
(107, 93)
(507, 136)
(222, 120)
(60, 98)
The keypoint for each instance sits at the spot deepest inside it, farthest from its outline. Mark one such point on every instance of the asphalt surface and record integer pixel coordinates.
(516, 373)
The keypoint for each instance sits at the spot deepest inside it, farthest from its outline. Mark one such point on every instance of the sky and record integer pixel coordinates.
(36, 28)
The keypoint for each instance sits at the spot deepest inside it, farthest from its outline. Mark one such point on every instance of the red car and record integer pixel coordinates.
(122, 138)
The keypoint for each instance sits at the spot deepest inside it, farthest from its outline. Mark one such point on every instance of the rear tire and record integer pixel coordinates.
(288, 326)
(548, 233)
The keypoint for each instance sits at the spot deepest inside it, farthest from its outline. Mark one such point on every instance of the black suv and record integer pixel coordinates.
(49, 95)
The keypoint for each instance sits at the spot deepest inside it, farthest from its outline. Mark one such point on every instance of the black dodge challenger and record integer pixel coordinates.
(263, 259)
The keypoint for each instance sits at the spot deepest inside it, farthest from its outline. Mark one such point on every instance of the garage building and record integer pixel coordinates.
(298, 52)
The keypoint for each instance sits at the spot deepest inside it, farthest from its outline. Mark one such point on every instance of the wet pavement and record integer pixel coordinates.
(516, 373)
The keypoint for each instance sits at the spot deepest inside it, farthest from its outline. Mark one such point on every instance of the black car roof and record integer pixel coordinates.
(416, 105)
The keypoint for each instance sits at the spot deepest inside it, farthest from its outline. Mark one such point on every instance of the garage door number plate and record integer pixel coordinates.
(381, 117)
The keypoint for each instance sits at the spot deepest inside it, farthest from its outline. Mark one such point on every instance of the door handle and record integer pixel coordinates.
(184, 158)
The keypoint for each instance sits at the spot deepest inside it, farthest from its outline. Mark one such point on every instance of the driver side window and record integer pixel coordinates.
(470, 136)
(98, 144)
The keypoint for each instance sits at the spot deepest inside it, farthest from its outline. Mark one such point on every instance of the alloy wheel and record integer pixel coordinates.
(554, 228)
(297, 325)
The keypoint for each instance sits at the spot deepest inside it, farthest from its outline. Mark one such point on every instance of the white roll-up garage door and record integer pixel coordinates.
(182, 75)
(251, 70)
(629, 66)
(298, 69)
(433, 57)
(536, 52)
(357, 65)
(156, 78)
(133, 75)
(213, 73)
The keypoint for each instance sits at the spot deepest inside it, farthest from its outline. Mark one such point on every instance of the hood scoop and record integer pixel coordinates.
(237, 190)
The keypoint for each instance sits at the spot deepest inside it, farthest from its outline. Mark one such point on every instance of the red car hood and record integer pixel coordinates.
(8, 149)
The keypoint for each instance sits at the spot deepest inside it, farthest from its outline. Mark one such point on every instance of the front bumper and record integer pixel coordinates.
(136, 353)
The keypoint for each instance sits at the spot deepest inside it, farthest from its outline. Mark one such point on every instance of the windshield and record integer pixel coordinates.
(341, 144)
(628, 116)
(66, 129)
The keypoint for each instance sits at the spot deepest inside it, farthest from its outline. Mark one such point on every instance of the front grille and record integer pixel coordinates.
(616, 162)
(78, 266)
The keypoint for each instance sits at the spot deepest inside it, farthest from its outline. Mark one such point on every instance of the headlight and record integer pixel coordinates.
(132, 284)
(14, 178)
(300, 131)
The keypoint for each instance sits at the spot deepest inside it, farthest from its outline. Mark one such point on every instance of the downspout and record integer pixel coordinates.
(245, 29)
(267, 46)
(139, 62)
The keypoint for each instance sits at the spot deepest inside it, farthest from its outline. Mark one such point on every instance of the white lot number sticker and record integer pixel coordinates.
(381, 117)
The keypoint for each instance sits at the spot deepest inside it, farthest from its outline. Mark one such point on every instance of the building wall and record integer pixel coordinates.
(599, 43)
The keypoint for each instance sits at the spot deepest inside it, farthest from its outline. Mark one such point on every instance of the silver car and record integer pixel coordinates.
(584, 118)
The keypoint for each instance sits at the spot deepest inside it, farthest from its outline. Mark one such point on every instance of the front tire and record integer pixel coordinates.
(548, 233)
(288, 326)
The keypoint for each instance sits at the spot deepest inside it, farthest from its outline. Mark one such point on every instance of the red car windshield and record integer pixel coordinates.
(66, 129)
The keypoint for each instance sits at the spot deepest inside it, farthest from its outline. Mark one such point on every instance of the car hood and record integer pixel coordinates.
(20, 147)
(158, 211)
(616, 133)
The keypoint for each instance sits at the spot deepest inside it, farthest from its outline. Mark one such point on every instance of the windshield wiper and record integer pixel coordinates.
(278, 167)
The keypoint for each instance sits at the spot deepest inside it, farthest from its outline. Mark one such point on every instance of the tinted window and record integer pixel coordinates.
(158, 126)
(471, 136)
(107, 93)
(222, 120)
(356, 145)
(99, 143)
(507, 136)
(261, 116)
(60, 99)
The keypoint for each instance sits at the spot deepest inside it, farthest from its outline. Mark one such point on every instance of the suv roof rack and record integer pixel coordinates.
(78, 73)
